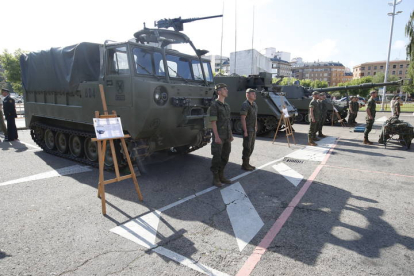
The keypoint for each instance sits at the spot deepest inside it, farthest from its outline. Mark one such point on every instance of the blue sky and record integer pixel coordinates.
(351, 32)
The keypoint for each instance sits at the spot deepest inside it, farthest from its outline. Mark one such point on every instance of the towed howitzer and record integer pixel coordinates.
(178, 23)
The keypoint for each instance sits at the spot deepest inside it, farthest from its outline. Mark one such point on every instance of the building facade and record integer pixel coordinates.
(219, 63)
(397, 68)
(281, 68)
(331, 72)
(249, 62)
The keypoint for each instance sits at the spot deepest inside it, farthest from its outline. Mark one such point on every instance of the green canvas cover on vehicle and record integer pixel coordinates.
(60, 69)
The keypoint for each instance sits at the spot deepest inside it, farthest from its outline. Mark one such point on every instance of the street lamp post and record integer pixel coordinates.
(392, 14)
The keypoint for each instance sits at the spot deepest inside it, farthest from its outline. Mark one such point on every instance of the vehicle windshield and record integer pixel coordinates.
(185, 68)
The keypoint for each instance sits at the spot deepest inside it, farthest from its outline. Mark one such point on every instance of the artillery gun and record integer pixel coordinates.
(269, 102)
(300, 97)
(161, 94)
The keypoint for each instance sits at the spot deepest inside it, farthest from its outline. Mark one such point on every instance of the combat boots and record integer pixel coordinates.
(316, 139)
(222, 178)
(367, 142)
(312, 143)
(321, 135)
(216, 180)
(246, 165)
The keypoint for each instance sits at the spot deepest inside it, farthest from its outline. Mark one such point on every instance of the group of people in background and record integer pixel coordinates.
(9, 108)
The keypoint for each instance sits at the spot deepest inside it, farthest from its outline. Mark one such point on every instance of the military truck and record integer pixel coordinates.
(161, 95)
(269, 102)
(300, 97)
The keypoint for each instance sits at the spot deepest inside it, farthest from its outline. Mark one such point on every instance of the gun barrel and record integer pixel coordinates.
(199, 18)
(361, 86)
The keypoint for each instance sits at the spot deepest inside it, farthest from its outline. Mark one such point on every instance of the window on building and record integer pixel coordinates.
(394, 66)
(407, 65)
(401, 65)
(363, 68)
(361, 74)
(369, 73)
(381, 67)
(400, 72)
(369, 67)
(375, 67)
(375, 73)
(393, 72)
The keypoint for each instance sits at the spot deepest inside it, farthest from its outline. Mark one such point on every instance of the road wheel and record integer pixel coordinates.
(62, 142)
(75, 145)
(50, 139)
(109, 160)
(91, 150)
(38, 134)
(299, 118)
(237, 126)
(307, 118)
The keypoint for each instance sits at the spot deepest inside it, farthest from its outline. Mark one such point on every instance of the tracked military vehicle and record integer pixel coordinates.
(161, 95)
(300, 97)
(269, 102)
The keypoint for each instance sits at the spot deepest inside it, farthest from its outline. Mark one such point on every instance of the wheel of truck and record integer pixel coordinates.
(237, 126)
(261, 129)
(50, 139)
(38, 134)
(109, 159)
(62, 143)
(299, 118)
(307, 118)
(91, 150)
(75, 145)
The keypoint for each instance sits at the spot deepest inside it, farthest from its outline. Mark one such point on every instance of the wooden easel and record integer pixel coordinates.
(288, 126)
(101, 153)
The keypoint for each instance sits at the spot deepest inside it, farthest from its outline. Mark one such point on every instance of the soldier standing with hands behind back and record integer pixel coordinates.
(324, 109)
(248, 115)
(371, 105)
(222, 135)
(314, 117)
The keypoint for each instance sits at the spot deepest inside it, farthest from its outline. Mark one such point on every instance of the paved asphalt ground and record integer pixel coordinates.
(352, 214)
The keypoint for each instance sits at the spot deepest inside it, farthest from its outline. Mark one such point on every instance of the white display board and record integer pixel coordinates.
(285, 112)
(108, 128)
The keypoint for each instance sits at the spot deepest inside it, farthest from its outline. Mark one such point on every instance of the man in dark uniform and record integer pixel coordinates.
(248, 115)
(222, 135)
(370, 118)
(3, 127)
(353, 110)
(314, 117)
(397, 107)
(9, 109)
(324, 109)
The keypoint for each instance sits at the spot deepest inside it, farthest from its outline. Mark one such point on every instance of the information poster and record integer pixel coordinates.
(285, 112)
(108, 128)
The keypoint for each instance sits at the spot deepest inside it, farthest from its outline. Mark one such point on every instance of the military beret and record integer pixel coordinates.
(220, 85)
(373, 91)
(250, 90)
(315, 93)
(5, 90)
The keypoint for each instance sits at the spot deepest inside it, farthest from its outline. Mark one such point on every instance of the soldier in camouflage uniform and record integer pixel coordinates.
(370, 118)
(222, 135)
(324, 109)
(353, 110)
(248, 115)
(314, 117)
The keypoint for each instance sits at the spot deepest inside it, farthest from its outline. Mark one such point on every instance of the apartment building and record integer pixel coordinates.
(281, 68)
(398, 68)
(219, 62)
(331, 72)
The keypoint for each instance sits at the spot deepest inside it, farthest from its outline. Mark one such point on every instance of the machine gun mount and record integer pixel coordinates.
(178, 23)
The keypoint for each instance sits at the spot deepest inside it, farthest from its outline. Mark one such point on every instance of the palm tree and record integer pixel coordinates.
(409, 32)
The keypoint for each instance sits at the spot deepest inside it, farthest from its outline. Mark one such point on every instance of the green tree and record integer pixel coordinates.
(12, 73)
(409, 32)
(306, 83)
(319, 84)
